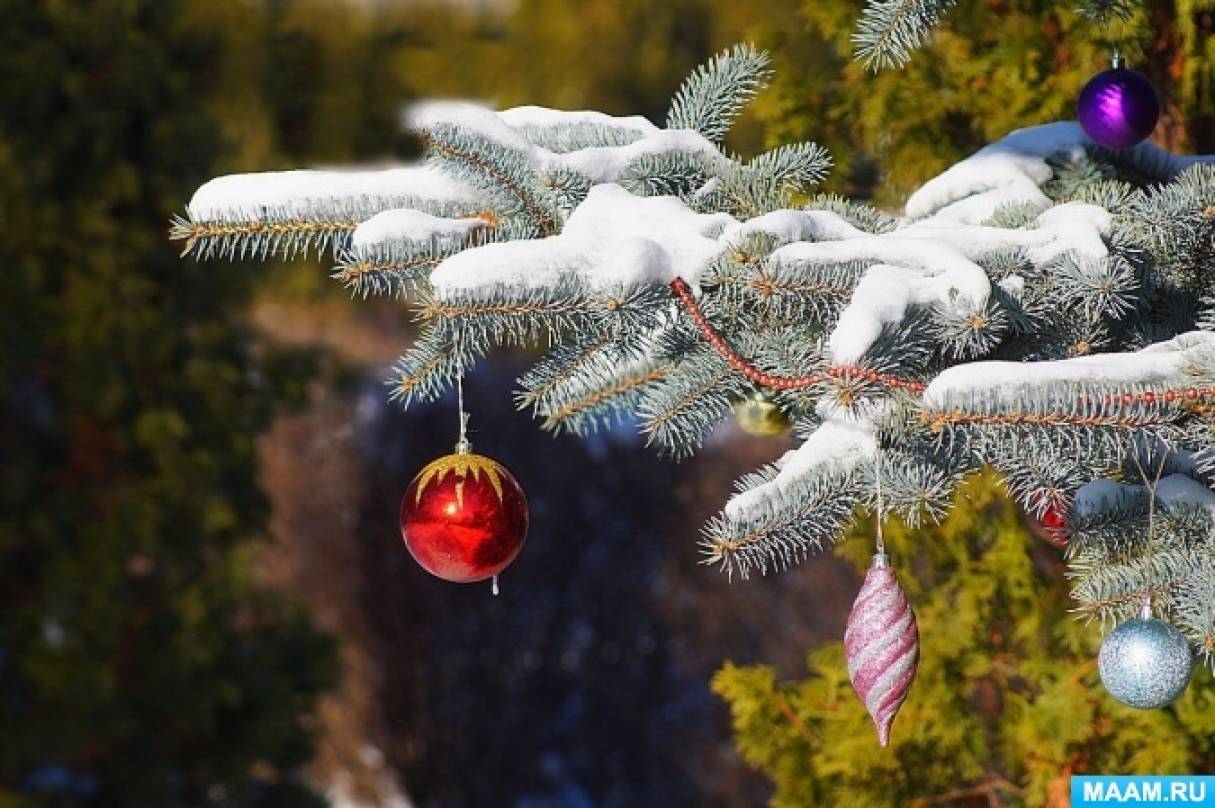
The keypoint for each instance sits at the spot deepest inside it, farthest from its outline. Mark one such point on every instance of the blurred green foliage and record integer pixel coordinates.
(1006, 704)
(993, 66)
(140, 662)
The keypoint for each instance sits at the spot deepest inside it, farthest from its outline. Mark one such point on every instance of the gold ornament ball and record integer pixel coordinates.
(759, 415)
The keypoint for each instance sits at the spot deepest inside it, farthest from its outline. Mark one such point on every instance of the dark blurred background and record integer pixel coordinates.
(204, 598)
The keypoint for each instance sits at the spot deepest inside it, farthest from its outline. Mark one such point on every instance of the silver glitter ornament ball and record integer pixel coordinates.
(1145, 663)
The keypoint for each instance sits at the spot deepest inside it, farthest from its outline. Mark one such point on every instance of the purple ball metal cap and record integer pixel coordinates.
(1118, 108)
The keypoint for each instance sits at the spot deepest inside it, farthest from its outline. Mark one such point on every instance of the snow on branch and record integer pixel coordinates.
(1026, 312)
(836, 447)
(598, 163)
(1176, 364)
(395, 250)
(1013, 169)
(285, 213)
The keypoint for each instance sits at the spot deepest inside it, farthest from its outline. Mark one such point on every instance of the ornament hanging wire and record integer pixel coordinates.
(877, 474)
(1151, 484)
(463, 446)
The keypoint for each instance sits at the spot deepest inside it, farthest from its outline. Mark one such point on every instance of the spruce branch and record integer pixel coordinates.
(501, 171)
(863, 217)
(668, 280)
(429, 366)
(889, 30)
(914, 488)
(1175, 223)
(562, 138)
(1194, 611)
(1041, 476)
(568, 187)
(1098, 288)
(966, 335)
(391, 269)
(505, 314)
(794, 167)
(783, 293)
(794, 523)
(1112, 592)
(667, 174)
(584, 406)
(680, 409)
(591, 381)
(1103, 13)
(290, 231)
(716, 92)
(561, 365)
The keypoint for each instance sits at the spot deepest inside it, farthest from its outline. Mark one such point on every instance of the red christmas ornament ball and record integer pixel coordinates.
(464, 518)
(1053, 523)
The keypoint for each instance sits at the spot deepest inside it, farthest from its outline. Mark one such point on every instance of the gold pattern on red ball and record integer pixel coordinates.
(464, 518)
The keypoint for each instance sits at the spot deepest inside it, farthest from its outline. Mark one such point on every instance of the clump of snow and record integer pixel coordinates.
(1075, 227)
(1012, 170)
(410, 225)
(612, 238)
(607, 163)
(1103, 495)
(1072, 227)
(976, 241)
(545, 117)
(1009, 170)
(905, 272)
(599, 164)
(253, 196)
(1164, 363)
(883, 296)
(466, 115)
(1175, 489)
(838, 445)
(795, 225)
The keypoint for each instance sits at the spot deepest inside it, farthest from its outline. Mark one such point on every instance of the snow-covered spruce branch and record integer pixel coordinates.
(1042, 307)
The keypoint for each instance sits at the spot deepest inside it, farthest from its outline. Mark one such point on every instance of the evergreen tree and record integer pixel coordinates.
(140, 664)
(1042, 306)
(1006, 700)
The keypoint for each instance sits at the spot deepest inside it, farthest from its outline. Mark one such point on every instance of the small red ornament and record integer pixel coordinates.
(1053, 526)
(464, 518)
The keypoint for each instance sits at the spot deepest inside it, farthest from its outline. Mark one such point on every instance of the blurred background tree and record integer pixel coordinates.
(140, 664)
(1006, 704)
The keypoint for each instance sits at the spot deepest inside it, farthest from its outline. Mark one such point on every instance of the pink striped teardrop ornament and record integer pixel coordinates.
(881, 645)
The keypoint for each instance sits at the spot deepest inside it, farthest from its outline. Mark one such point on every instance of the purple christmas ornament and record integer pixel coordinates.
(881, 645)
(1118, 108)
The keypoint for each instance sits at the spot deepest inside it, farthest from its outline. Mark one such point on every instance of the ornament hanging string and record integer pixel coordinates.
(1150, 485)
(1146, 663)
(464, 446)
(877, 473)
